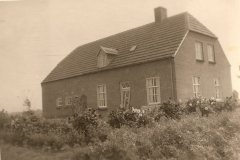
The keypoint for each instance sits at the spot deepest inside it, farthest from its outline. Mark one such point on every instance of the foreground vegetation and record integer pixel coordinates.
(170, 131)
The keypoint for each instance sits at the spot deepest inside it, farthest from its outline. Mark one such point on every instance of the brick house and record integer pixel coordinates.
(175, 57)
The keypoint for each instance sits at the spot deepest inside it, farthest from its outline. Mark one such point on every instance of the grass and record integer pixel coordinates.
(193, 137)
(10, 152)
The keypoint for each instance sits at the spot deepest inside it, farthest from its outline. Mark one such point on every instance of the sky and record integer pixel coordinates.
(35, 35)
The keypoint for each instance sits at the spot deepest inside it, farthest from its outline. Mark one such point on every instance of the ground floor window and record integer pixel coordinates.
(196, 86)
(59, 102)
(153, 90)
(217, 85)
(68, 100)
(102, 96)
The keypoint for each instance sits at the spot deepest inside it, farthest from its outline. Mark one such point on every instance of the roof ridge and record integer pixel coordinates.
(155, 40)
(129, 30)
(198, 29)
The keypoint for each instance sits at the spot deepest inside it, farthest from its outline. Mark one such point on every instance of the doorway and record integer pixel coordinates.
(125, 95)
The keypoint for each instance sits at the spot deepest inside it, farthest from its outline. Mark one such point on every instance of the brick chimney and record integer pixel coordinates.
(160, 14)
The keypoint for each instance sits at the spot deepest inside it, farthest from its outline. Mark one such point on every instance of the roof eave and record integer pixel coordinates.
(106, 69)
(212, 36)
(180, 43)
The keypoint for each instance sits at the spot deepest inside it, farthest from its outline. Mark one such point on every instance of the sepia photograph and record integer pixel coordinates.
(119, 80)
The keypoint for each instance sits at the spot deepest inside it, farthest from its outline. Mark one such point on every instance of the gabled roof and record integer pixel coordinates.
(108, 50)
(155, 41)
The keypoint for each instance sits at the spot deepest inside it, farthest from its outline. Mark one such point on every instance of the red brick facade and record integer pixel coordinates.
(164, 49)
(186, 66)
(87, 84)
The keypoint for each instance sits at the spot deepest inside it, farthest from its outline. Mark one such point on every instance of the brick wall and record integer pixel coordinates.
(87, 84)
(186, 66)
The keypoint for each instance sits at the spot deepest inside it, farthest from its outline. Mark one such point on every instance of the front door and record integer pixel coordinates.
(125, 95)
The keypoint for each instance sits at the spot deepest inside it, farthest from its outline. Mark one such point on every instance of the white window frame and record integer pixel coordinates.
(102, 60)
(68, 101)
(211, 53)
(102, 96)
(217, 88)
(195, 93)
(153, 90)
(59, 102)
(199, 50)
(125, 87)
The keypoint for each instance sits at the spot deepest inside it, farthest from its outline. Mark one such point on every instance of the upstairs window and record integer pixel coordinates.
(196, 86)
(102, 96)
(68, 101)
(102, 60)
(59, 102)
(153, 90)
(105, 56)
(211, 57)
(133, 48)
(199, 50)
(217, 88)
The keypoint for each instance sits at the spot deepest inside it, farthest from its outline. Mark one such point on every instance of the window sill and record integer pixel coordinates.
(211, 62)
(102, 66)
(219, 100)
(102, 108)
(199, 60)
(151, 104)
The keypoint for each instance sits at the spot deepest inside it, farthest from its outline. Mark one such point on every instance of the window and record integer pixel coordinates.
(133, 48)
(102, 60)
(102, 96)
(210, 53)
(199, 50)
(217, 88)
(68, 101)
(59, 102)
(153, 90)
(196, 86)
(125, 95)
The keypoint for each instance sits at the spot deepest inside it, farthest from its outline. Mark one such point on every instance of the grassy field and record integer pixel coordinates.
(10, 152)
(190, 136)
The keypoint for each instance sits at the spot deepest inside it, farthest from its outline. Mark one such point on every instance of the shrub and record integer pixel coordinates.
(116, 118)
(134, 118)
(128, 134)
(4, 119)
(168, 110)
(83, 120)
(230, 104)
(191, 105)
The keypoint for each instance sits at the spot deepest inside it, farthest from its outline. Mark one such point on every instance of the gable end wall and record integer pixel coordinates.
(186, 66)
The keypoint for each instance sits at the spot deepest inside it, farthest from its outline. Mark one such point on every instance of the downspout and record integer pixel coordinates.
(171, 70)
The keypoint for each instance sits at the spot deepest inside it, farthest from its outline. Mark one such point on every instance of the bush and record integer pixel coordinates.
(82, 121)
(134, 118)
(4, 119)
(116, 118)
(129, 134)
(168, 110)
(191, 105)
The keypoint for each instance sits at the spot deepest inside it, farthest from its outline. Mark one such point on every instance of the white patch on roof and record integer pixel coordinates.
(133, 48)
(109, 50)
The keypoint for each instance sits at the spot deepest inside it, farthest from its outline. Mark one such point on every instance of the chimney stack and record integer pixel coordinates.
(160, 14)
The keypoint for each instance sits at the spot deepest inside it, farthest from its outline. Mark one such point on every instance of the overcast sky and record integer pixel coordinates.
(35, 35)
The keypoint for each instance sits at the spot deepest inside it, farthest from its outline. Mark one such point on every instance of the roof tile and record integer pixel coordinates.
(154, 41)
